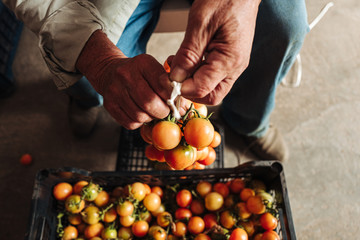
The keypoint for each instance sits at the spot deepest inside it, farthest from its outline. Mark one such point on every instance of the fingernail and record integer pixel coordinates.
(178, 74)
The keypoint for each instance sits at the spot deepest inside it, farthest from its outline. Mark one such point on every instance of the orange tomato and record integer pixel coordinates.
(166, 135)
(199, 132)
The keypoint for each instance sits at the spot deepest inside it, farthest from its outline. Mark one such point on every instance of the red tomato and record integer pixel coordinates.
(180, 157)
(210, 158)
(210, 220)
(26, 159)
(199, 132)
(62, 190)
(183, 198)
(140, 228)
(222, 189)
(255, 205)
(238, 234)
(246, 193)
(268, 221)
(183, 213)
(197, 207)
(227, 220)
(236, 185)
(166, 135)
(196, 225)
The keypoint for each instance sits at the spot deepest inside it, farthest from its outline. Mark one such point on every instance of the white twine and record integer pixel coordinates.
(175, 97)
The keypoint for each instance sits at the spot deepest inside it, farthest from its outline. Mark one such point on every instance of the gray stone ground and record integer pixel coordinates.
(319, 121)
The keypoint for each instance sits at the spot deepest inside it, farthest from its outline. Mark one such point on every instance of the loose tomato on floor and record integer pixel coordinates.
(199, 132)
(166, 135)
(180, 157)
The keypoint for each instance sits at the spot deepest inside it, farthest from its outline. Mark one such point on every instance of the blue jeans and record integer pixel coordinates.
(280, 31)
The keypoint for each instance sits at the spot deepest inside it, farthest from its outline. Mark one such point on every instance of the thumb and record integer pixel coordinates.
(190, 53)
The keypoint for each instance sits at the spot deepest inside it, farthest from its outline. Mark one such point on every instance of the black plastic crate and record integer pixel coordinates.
(10, 31)
(131, 151)
(42, 225)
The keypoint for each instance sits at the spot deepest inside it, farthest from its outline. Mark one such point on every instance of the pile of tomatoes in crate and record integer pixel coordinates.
(183, 144)
(237, 209)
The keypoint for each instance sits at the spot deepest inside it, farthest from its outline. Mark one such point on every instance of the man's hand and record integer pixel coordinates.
(135, 90)
(216, 48)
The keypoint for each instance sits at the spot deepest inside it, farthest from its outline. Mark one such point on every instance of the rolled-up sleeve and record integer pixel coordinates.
(63, 28)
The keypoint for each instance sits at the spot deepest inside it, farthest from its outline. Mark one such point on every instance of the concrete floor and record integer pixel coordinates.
(319, 121)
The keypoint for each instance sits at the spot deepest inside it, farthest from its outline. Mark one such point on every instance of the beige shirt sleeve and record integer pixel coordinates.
(64, 26)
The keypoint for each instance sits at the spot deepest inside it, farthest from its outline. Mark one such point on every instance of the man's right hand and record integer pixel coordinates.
(135, 90)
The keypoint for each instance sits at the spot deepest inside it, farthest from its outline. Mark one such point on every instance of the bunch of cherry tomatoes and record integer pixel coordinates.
(183, 144)
(237, 209)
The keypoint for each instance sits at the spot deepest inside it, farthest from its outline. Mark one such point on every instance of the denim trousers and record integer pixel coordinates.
(281, 27)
